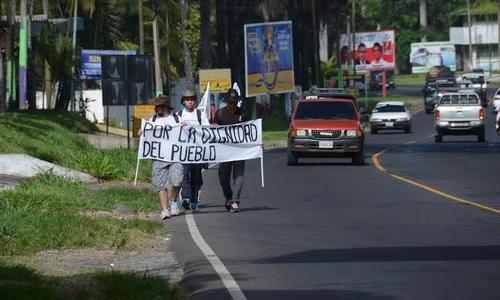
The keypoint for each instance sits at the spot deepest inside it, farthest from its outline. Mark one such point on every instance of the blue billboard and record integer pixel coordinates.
(269, 58)
(91, 61)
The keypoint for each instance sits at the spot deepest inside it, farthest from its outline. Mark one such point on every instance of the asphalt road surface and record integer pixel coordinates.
(328, 230)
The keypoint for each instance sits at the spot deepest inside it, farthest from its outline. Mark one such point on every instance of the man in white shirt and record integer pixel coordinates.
(193, 180)
(166, 174)
(378, 61)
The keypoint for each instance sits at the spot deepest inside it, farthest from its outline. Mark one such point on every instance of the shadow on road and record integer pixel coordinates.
(382, 254)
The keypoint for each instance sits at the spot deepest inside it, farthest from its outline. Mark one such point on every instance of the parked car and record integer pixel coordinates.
(376, 80)
(326, 126)
(459, 114)
(389, 116)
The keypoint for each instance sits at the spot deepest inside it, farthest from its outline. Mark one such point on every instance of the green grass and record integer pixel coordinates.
(410, 79)
(19, 282)
(42, 213)
(52, 136)
(275, 135)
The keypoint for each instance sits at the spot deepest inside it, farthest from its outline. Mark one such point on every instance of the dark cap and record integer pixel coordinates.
(231, 96)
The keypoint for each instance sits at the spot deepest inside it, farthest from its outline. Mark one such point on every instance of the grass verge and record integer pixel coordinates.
(42, 213)
(19, 282)
(410, 79)
(52, 136)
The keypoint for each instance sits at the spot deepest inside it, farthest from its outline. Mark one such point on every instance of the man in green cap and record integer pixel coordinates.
(193, 180)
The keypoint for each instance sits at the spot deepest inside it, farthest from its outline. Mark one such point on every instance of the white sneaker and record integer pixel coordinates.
(235, 207)
(174, 209)
(165, 214)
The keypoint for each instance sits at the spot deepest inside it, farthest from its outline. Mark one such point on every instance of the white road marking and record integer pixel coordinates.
(219, 267)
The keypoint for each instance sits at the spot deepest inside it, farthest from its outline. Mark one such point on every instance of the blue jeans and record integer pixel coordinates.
(192, 182)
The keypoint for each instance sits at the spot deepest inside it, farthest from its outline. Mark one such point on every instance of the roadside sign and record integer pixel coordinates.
(91, 61)
(424, 56)
(141, 112)
(269, 58)
(220, 80)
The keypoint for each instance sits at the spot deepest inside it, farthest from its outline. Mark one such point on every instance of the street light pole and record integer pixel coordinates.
(469, 23)
(141, 26)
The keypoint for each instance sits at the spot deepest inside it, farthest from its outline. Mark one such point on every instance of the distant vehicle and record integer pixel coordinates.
(390, 115)
(459, 114)
(326, 126)
(376, 80)
(478, 83)
(432, 88)
(496, 102)
(440, 72)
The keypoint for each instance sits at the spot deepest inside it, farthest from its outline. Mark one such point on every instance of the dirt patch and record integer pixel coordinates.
(120, 215)
(154, 258)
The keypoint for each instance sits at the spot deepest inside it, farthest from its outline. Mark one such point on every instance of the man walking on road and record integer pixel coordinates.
(192, 182)
(231, 173)
(166, 174)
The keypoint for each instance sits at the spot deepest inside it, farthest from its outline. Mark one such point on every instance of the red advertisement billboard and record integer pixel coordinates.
(372, 50)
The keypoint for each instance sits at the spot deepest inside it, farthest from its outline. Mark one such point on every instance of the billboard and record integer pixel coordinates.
(220, 80)
(91, 61)
(424, 56)
(269, 58)
(372, 50)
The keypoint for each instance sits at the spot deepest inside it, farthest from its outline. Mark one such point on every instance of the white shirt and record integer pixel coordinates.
(168, 120)
(381, 63)
(192, 118)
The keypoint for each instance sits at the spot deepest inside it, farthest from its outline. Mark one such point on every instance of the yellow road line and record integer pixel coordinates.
(380, 167)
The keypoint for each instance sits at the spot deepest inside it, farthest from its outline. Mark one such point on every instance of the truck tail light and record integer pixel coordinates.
(481, 114)
(437, 115)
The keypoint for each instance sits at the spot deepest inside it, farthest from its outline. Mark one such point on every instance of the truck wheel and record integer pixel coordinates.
(438, 138)
(408, 129)
(373, 130)
(292, 160)
(428, 111)
(358, 158)
(480, 137)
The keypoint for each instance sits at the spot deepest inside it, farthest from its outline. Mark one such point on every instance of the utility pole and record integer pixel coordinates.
(73, 57)
(315, 43)
(469, 23)
(158, 83)
(141, 26)
(423, 19)
(353, 19)
(11, 66)
(23, 56)
(167, 30)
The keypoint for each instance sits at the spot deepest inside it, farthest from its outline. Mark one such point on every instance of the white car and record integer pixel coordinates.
(390, 115)
(496, 101)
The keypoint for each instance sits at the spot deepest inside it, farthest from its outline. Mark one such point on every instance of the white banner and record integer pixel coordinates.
(201, 144)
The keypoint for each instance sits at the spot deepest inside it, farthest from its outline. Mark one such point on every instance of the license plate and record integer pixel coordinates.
(325, 144)
(459, 124)
(389, 124)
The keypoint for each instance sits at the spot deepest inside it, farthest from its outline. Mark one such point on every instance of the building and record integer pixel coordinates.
(484, 38)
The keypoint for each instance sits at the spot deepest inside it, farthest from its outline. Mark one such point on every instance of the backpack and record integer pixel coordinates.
(198, 114)
(176, 117)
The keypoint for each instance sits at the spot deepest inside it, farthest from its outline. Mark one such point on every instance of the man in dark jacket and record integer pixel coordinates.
(231, 173)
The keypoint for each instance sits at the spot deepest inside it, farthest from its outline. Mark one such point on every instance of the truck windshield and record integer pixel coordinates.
(460, 99)
(329, 110)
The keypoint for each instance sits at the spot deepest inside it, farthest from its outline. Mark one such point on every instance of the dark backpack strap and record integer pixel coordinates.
(176, 118)
(180, 112)
(154, 118)
(198, 114)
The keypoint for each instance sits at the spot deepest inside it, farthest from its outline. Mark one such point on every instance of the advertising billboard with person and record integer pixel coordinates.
(372, 50)
(424, 56)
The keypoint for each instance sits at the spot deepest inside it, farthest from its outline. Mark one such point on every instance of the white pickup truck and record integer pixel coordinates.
(459, 114)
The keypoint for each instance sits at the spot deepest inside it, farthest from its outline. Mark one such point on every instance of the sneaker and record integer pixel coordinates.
(228, 205)
(194, 206)
(185, 203)
(234, 206)
(174, 209)
(165, 214)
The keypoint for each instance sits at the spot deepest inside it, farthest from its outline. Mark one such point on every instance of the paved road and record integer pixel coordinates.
(329, 230)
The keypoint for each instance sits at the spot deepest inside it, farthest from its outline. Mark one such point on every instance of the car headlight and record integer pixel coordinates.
(301, 132)
(402, 119)
(375, 120)
(350, 133)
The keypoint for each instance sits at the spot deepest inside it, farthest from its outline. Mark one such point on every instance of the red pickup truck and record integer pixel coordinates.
(326, 126)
